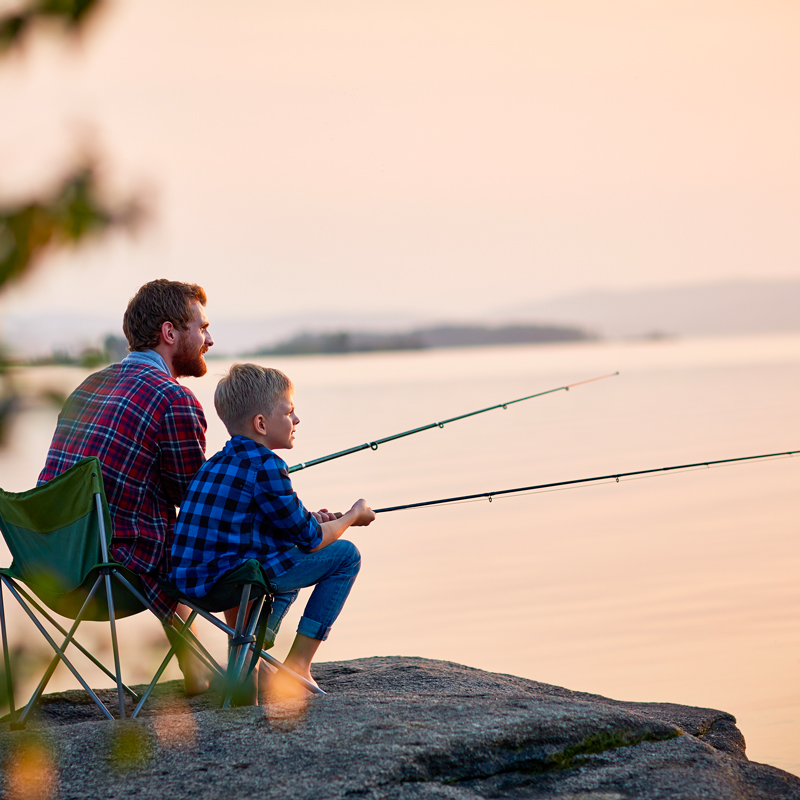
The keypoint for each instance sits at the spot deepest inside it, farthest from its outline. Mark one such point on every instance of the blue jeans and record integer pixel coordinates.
(332, 572)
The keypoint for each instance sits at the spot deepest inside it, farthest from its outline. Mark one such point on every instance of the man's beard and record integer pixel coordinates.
(187, 363)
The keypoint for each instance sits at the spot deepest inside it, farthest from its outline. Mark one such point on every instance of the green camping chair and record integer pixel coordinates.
(58, 535)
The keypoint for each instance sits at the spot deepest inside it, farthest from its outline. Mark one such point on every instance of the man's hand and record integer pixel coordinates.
(323, 515)
(363, 513)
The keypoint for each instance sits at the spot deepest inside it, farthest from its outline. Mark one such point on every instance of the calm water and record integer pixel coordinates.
(681, 588)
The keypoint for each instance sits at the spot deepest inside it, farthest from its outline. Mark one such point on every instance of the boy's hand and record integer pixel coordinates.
(334, 525)
(363, 513)
(323, 515)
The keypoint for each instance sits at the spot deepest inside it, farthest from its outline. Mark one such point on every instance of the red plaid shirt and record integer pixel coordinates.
(149, 433)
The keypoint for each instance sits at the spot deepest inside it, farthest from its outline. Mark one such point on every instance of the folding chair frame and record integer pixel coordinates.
(242, 639)
(106, 570)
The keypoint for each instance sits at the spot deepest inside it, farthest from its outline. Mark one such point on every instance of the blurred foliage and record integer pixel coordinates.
(70, 214)
(29, 769)
(130, 745)
(70, 15)
(8, 396)
(113, 349)
(73, 212)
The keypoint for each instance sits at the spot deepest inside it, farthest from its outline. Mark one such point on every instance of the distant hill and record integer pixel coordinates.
(33, 335)
(740, 307)
(440, 336)
(736, 307)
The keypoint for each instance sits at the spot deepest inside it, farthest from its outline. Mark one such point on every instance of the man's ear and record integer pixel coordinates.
(168, 333)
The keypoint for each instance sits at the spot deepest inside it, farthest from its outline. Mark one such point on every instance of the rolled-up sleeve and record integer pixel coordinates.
(284, 513)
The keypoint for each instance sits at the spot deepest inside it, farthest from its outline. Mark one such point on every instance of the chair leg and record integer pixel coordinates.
(234, 646)
(63, 657)
(163, 666)
(313, 688)
(253, 625)
(74, 642)
(238, 645)
(114, 645)
(54, 663)
(7, 659)
(250, 630)
(190, 640)
(248, 634)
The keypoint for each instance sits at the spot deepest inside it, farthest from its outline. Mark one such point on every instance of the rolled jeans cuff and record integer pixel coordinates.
(312, 629)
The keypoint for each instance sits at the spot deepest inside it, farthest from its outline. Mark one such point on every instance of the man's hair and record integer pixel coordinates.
(247, 390)
(154, 304)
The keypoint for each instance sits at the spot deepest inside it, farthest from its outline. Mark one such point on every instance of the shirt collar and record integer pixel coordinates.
(252, 448)
(150, 357)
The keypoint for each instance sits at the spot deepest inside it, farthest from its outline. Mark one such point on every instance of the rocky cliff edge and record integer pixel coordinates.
(396, 728)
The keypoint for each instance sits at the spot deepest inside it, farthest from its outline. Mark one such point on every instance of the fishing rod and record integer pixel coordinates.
(616, 475)
(374, 445)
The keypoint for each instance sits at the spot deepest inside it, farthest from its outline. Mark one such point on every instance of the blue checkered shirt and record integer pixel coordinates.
(240, 505)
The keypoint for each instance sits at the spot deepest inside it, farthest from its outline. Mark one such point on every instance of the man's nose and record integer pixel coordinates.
(209, 340)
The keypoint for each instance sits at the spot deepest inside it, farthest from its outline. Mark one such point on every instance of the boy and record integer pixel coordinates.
(241, 505)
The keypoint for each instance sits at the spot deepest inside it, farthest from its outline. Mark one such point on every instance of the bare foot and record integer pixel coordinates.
(196, 675)
(280, 685)
(195, 683)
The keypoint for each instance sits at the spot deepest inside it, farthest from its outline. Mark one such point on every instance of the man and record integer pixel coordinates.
(148, 432)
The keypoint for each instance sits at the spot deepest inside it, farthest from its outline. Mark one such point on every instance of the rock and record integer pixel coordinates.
(399, 729)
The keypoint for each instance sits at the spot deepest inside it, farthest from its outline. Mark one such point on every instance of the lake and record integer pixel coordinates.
(677, 588)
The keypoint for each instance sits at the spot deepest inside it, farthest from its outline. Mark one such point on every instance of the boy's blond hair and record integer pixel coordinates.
(248, 390)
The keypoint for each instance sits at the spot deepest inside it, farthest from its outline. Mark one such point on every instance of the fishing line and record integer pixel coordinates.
(557, 485)
(491, 497)
(531, 493)
(375, 444)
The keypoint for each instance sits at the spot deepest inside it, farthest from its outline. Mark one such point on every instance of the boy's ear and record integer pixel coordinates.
(260, 424)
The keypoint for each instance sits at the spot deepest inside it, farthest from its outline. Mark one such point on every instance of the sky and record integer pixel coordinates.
(439, 157)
